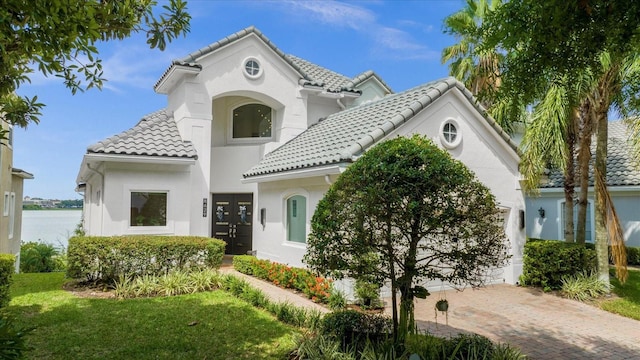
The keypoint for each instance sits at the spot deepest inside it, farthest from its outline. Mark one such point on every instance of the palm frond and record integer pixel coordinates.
(614, 229)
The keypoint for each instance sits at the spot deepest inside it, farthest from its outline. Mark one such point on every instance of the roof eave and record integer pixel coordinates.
(173, 75)
(333, 169)
(21, 173)
(96, 158)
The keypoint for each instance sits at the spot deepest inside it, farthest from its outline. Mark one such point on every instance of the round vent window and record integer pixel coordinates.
(450, 134)
(252, 68)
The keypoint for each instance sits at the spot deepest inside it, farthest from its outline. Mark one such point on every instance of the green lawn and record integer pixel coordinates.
(68, 327)
(628, 303)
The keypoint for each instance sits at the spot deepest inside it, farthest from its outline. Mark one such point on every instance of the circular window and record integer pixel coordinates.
(450, 134)
(252, 68)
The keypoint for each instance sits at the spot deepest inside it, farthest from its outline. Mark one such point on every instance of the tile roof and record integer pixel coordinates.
(155, 135)
(622, 170)
(343, 135)
(311, 74)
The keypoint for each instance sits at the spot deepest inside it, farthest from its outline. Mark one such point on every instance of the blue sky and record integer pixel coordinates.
(400, 40)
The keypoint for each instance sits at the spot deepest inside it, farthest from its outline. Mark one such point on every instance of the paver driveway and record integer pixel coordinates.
(542, 325)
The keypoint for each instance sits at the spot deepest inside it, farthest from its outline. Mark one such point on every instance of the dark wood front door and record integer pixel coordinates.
(233, 221)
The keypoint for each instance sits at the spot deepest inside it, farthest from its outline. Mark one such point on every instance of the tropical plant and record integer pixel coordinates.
(40, 257)
(583, 286)
(59, 38)
(423, 214)
(476, 67)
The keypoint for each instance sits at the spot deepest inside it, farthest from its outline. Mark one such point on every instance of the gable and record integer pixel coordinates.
(341, 137)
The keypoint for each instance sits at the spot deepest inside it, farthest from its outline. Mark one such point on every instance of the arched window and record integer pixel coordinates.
(251, 121)
(297, 219)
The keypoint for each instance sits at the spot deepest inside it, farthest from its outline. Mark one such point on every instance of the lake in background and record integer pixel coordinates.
(50, 226)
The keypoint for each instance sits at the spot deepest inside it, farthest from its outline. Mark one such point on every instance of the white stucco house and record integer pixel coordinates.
(545, 218)
(251, 139)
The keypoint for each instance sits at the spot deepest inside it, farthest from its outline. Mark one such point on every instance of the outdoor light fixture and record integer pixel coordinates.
(541, 212)
(263, 217)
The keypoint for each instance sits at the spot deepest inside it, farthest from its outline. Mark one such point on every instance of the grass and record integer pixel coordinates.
(208, 325)
(628, 302)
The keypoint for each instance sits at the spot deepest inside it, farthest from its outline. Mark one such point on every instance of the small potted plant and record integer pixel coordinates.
(442, 305)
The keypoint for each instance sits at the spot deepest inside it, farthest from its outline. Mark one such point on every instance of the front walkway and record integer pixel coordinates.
(543, 326)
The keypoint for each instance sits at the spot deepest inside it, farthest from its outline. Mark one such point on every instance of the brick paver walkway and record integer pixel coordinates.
(543, 326)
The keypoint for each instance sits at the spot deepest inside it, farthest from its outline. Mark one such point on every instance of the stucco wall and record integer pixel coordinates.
(112, 218)
(626, 201)
(494, 164)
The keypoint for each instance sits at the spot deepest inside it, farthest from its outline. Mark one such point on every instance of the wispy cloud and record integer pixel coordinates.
(335, 13)
(338, 14)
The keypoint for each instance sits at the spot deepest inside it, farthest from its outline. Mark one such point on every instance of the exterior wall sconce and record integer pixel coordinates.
(263, 217)
(541, 212)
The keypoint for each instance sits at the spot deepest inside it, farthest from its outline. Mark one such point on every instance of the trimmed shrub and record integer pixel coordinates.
(633, 255)
(7, 268)
(37, 257)
(356, 328)
(546, 262)
(316, 288)
(107, 259)
(243, 263)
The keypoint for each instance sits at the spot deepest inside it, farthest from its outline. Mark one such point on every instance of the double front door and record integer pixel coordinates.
(233, 220)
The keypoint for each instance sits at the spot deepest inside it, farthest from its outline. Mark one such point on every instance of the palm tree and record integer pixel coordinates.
(477, 68)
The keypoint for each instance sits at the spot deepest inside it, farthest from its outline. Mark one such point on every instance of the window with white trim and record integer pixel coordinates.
(297, 219)
(588, 234)
(251, 121)
(252, 68)
(450, 134)
(5, 209)
(12, 213)
(148, 208)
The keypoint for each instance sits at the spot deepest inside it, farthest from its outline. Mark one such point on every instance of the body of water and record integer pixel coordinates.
(50, 226)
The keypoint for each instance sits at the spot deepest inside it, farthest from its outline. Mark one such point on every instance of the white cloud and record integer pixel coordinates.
(363, 20)
(335, 13)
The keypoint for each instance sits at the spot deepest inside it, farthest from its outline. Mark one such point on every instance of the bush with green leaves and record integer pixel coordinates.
(315, 287)
(546, 262)
(12, 341)
(7, 269)
(37, 257)
(354, 328)
(107, 259)
(412, 214)
(337, 300)
(583, 286)
(367, 294)
(174, 283)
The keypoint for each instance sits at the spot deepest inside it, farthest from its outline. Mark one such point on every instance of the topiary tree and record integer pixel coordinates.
(417, 215)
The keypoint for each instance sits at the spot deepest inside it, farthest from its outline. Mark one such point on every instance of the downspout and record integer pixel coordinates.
(102, 196)
(339, 101)
(327, 179)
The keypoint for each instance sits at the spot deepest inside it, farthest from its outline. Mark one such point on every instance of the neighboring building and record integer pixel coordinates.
(545, 215)
(11, 181)
(251, 139)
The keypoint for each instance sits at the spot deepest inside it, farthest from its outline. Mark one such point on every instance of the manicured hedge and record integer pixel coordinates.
(107, 258)
(7, 268)
(633, 256)
(546, 262)
(315, 287)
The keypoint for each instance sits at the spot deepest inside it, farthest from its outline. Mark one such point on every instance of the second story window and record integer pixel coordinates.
(252, 121)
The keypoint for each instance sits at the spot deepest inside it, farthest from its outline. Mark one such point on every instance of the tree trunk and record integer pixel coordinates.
(569, 179)
(394, 283)
(602, 248)
(584, 158)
